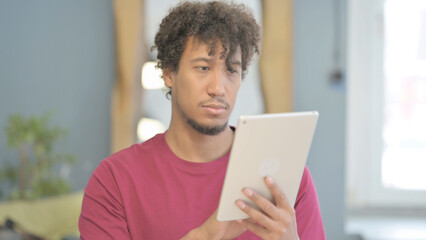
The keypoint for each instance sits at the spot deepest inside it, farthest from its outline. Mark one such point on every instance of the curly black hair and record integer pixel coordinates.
(232, 23)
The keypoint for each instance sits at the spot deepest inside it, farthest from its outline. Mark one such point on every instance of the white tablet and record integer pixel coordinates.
(275, 145)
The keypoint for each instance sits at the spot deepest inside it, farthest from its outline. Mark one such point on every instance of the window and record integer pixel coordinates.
(386, 138)
(404, 125)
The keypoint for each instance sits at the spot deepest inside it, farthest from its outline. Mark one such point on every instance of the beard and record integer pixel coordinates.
(209, 130)
(206, 130)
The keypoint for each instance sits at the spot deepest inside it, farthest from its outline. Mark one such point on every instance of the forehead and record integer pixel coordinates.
(195, 46)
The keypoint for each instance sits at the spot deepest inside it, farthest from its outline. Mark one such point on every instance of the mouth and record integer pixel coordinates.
(215, 108)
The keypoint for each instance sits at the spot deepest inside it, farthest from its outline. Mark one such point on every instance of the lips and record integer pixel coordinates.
(214, 108)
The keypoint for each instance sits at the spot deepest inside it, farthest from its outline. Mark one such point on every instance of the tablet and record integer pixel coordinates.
(275, 145)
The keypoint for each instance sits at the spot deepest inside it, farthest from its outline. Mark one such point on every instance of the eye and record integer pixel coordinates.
(203, 68)
(232, 70)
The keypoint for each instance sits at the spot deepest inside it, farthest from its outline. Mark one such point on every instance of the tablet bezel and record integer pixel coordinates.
(282, 141)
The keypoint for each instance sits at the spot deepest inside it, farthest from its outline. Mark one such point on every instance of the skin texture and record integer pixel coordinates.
(204, 91)
(210, 21)
(276, 221)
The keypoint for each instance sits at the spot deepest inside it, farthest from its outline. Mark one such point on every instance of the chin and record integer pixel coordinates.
(208, 129)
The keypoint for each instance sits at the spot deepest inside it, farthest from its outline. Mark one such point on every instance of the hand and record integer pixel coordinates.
(213, 229)
(277, 221)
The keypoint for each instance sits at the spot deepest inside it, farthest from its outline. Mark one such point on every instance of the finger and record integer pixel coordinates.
(253, 227)
(263, 203)
(280, 198)
(250, 220)
(255, 214)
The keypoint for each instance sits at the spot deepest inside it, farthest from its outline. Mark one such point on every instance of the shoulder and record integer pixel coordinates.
(122, 166)
(308, 214)
(307, 180)
(134, 155)
(307, 188)
(112, 187)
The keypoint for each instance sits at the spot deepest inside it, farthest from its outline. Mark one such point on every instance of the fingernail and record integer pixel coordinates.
(240, 204)
(269, 180)
(248, 192)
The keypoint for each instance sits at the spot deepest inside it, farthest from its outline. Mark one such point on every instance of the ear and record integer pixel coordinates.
(168, 77)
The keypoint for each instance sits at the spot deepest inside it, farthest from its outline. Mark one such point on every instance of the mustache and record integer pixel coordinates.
(215, 101)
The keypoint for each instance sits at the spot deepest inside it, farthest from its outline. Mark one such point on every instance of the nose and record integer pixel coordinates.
(216, 85)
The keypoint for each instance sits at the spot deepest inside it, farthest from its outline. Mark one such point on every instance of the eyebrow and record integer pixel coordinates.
(235, 63)
(203, 59)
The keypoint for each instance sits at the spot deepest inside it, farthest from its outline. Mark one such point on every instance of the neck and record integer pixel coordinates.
(189, 144)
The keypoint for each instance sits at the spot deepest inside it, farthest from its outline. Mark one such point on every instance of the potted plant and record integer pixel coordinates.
(33, 175)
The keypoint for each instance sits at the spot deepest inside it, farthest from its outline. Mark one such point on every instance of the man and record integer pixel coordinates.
(169, 186)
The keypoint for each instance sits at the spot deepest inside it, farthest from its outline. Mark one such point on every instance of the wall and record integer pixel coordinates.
(58, 56)
(319, 26)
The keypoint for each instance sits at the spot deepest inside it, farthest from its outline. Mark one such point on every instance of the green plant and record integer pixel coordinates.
(34, 176)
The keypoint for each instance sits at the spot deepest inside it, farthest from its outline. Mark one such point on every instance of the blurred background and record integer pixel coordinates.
(77, 84)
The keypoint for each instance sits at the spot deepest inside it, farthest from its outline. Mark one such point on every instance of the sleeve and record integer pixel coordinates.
(308, 214)
(102, 212)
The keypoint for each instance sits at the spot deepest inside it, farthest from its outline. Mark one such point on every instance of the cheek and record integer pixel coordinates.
(232, 94)
(234, 88)
(186, 92)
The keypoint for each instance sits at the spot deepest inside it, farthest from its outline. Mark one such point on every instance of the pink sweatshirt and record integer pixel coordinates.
(147, 192)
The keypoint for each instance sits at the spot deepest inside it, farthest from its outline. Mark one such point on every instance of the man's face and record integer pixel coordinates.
(204, 90)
